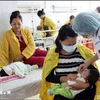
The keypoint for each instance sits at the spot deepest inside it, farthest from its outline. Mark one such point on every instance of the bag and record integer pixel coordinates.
(46, 28)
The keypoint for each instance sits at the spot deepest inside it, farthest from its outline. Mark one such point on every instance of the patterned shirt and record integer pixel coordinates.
(69, 63)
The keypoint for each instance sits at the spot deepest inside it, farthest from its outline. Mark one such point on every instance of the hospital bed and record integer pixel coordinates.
(21, 88)
(45, 42)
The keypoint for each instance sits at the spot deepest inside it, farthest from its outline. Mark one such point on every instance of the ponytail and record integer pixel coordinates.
(58, 45)
(41, 12)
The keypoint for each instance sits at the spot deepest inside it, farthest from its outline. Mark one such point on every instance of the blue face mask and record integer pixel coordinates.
(69, 48)
(90, 37)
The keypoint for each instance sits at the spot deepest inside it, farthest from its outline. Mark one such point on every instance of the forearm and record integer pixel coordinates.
(93, 59)
(53, 78)
(20, 57)
(28, 51)
(30, 48)
(68, 77)
(63, 78)
(80, 85)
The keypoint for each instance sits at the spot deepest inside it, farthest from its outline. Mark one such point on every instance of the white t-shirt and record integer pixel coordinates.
(96, 40)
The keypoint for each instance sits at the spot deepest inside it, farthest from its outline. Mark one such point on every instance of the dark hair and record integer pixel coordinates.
(15, 14)
(93, 76)
(39, 28)
(72, 16)
(64, 32)
(41, 12)
(3, 73)
(98, 9)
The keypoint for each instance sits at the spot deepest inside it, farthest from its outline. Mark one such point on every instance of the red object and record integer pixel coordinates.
(8, 78)
(38, 56)
(89, 44)
(99, 51)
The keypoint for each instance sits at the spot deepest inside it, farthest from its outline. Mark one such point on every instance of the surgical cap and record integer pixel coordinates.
(86, 22)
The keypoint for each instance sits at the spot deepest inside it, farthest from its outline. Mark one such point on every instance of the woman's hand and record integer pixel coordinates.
(19, 58)
(84, 66)
(87, 63)
(72, 76)
(68, 77)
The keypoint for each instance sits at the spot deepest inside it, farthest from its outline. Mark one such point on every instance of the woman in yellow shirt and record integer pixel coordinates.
(61, 64)
(70, 22)
(46, 24)
(17, 44)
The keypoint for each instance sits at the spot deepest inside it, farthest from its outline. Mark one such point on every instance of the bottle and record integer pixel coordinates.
(58, 24)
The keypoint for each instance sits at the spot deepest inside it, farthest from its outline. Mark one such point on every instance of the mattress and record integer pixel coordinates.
(19, 89)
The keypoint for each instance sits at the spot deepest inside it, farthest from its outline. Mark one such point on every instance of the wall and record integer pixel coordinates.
(62, 17)
(6, 7)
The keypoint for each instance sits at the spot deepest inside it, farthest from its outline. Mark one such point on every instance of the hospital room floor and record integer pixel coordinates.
(36, 97)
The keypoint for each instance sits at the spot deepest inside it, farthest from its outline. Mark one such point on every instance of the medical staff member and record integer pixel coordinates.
(87, 24)
(17, 44)
(61, 64)
(46, 24)
(97, 9)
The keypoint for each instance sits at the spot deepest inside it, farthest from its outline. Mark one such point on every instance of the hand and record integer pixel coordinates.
(84, 66)
(71, 76)
(68, 77)
(66, 85)
(19, 58)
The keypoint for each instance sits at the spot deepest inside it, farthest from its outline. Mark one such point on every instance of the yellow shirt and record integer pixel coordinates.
(51, 25)
(51, 61)
(10, 47)
(68, 22)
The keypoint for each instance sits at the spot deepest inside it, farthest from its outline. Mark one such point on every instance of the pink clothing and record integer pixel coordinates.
(38, 56)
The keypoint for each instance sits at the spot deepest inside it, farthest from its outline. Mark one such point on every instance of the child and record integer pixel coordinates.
(39, 34)
(87, 75)
(17, 68)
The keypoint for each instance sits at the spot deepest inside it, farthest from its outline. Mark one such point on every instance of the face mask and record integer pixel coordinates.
(69, 48)
(90, 37)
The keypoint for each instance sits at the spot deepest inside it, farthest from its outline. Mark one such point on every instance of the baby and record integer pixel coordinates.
(64, 89)
(39, 34)
(17, 68)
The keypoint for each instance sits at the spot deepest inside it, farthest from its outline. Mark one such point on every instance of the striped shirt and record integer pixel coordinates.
(69, 63)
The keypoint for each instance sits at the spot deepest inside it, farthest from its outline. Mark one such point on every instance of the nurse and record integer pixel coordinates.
(87, 24)
(97, 9)
(46, 23)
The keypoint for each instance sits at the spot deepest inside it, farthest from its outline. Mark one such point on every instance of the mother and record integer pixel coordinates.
(17, 44)
(61, 64)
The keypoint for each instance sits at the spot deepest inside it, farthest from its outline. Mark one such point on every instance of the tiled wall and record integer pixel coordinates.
(6, 7)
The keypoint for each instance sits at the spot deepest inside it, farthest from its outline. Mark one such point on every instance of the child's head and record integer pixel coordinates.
(7, 71)
(39, 28)
(91, 75)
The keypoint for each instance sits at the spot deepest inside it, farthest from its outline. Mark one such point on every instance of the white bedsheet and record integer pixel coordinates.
(22, 88)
